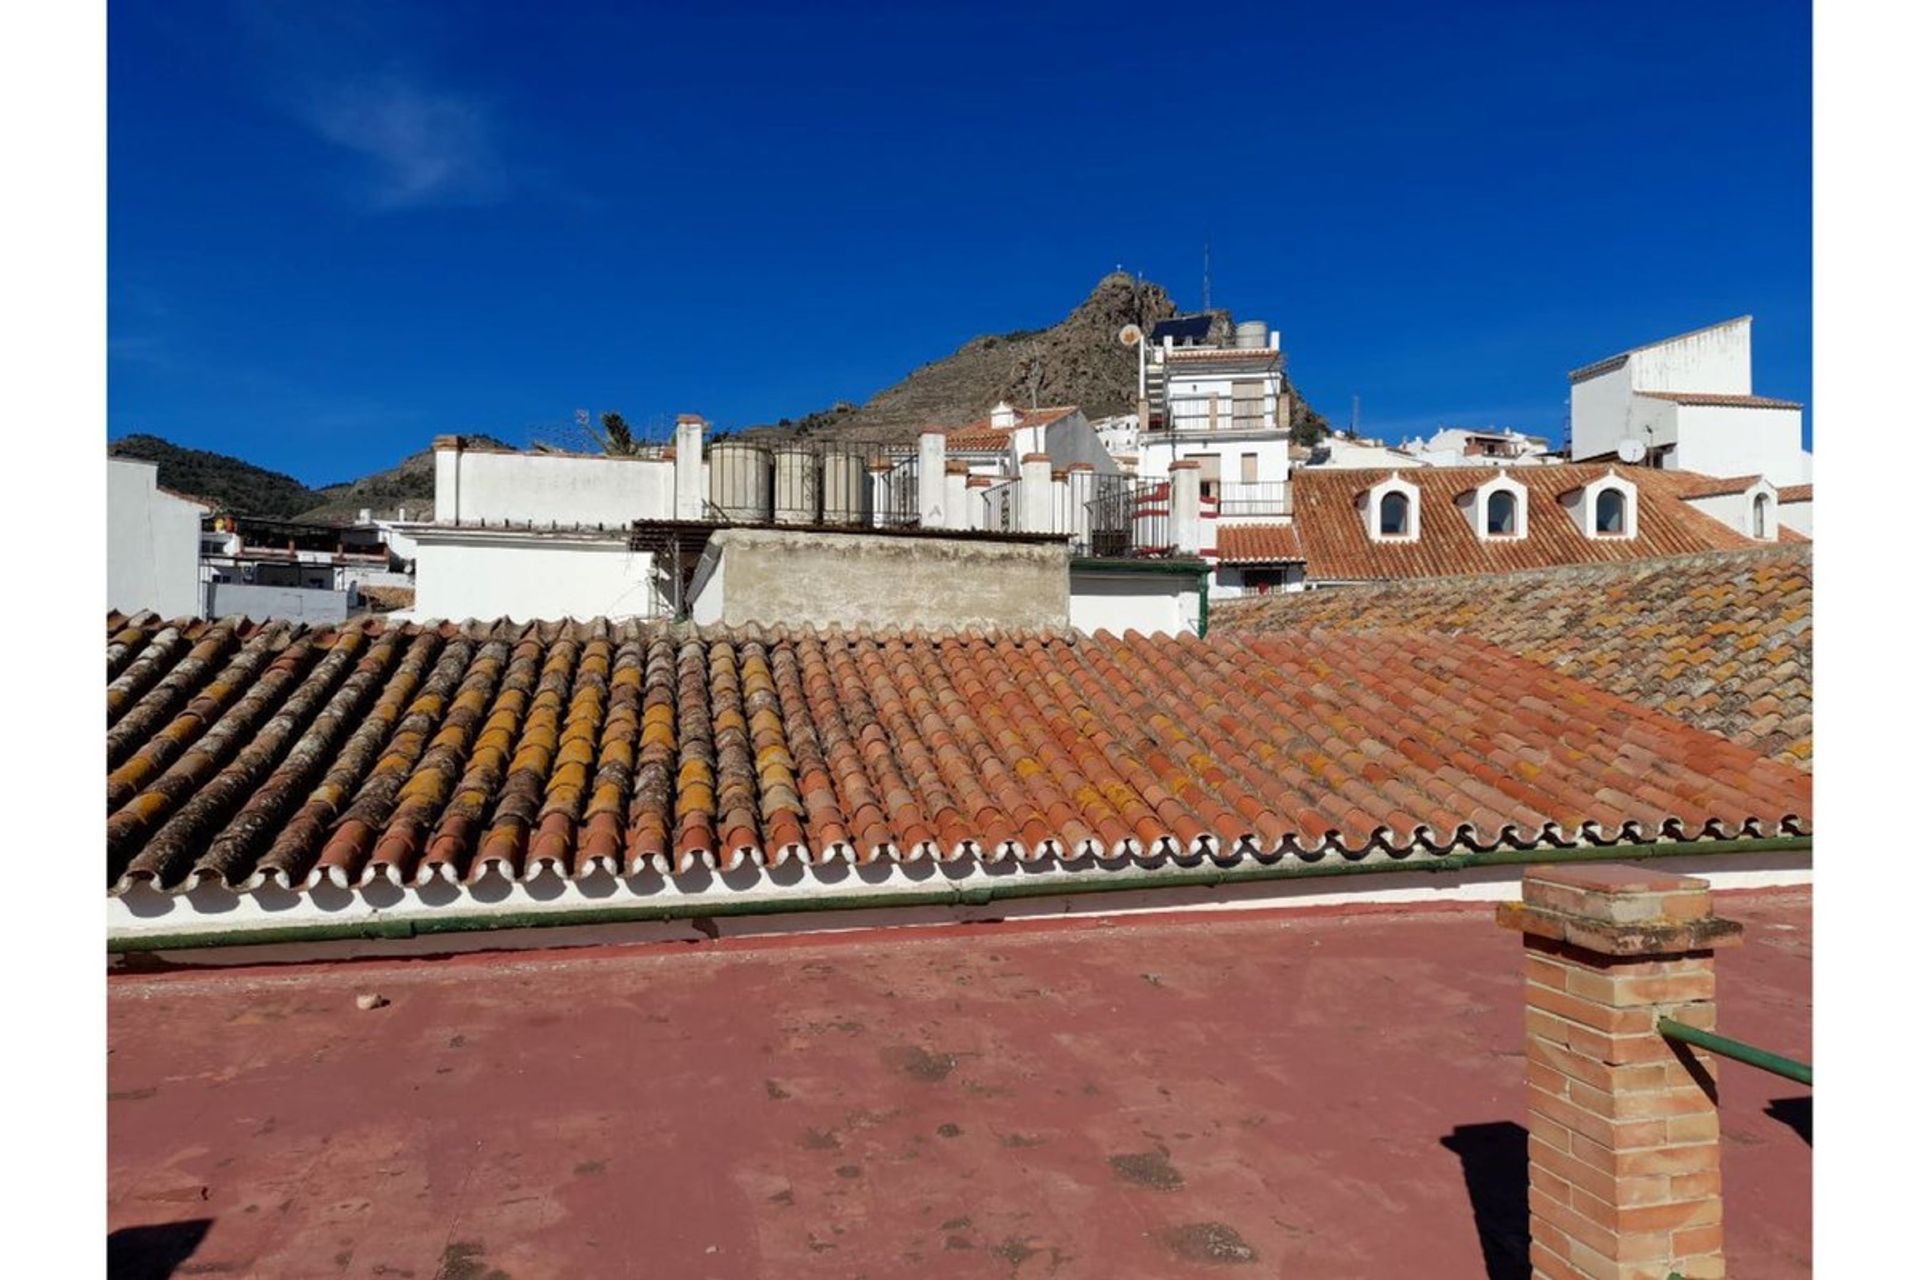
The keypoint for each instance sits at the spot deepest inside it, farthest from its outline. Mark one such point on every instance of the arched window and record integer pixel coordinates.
(1759, 515)
(1610, 511)
(1503, 514)
(1393, 515)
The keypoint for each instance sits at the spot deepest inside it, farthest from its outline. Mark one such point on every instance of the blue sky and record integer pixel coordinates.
(336, 230)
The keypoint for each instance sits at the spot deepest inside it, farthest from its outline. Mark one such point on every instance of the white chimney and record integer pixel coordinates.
(1004, 415)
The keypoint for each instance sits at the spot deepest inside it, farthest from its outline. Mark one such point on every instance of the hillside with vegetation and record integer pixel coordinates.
(1079, 361)
(225, 481)
(234, 485)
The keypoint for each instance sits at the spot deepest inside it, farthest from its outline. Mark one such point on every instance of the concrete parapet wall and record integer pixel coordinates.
(850, 579)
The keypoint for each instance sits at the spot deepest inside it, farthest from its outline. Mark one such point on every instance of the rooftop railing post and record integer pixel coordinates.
(1623, 1140)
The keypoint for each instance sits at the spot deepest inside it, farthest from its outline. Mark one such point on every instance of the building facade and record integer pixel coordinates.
(1686, 403)
(153, 543)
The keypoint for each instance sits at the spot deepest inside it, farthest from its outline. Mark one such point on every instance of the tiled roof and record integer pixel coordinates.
(1332, 527)
(983, 435)
(1205, 355)
(1723, 641)
(1716, 399)
(1719, 486)
(260, 755)
(1259, 544)
(1797, 493)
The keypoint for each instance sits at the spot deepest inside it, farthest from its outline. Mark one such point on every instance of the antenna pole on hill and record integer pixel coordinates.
(1206, 274)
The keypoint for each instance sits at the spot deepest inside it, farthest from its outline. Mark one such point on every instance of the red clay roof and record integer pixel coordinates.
(1719, 400)
(1797, 493)
(981, 434)
(1723, 641)
(1719, 486)
(1259, 544)
(272, 754)
(1332, 528)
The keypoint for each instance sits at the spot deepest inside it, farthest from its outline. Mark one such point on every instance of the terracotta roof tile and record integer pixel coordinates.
(1722, 641)
(1719, 486)
(1797, 493)
(412, 753)
(981, 435)
(1720, 400)
(1259, 544)
(1332, 527)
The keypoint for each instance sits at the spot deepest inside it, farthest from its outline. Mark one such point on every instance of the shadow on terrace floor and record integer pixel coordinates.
(1493, 1160)
(155, 1251)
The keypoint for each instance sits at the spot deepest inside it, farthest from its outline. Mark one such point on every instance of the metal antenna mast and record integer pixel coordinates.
(1206, 274)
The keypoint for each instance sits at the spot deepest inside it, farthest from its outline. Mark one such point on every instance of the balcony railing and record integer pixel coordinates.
(1100, 515)
(1256, 498)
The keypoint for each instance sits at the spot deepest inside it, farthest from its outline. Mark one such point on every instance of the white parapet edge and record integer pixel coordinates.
(757, 901)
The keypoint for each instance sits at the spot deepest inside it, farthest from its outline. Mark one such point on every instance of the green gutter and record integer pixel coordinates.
(1120, 564)
(1738, 1050)
(969, 896)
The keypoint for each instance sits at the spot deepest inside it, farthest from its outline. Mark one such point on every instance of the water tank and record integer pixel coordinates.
(796, 487)
(740, 482)
(1250, 335)
(846, 489)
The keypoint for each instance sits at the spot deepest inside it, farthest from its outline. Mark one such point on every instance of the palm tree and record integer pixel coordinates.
(614, 437)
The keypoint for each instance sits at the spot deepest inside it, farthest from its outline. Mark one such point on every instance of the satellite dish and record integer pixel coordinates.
(1633, 449)
(1130, 335)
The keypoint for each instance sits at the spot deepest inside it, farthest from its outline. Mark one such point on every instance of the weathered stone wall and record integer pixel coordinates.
(850, 579)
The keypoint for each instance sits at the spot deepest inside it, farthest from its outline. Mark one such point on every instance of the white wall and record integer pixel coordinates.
(1797, 516)
(1342, 454)
(1718, 359)
(476, 574)
(153, 543)
(1270, 455)
(471, 486)
(1724, 441)
(1118, 601)
(1601, 407)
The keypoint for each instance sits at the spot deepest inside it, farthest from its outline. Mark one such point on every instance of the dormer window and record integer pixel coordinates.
(1607, 506)
(1496, 508)
(1610, 512)
(1503, 515)
(1392, 510)
(1763, 525)
(1396, 516)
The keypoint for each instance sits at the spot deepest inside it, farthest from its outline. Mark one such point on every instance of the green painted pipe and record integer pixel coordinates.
(970, 895)
(1738, 1050)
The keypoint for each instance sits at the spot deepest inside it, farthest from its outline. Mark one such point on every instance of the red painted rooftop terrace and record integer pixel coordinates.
(1275, 1094)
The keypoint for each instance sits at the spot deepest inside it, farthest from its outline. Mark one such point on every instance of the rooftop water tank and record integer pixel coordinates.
(740, 482)
(1250, 335)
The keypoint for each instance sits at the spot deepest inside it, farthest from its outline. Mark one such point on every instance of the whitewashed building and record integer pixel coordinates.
(153, 542)
(1223, 406)
(1686, 404)
(1470, 447)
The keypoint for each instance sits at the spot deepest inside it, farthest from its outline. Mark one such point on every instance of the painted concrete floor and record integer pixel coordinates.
(1276, 1094)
